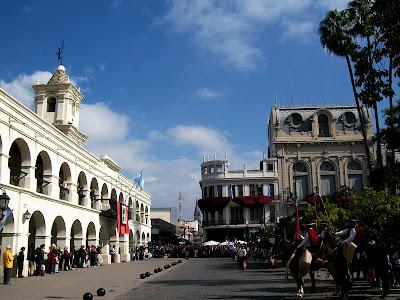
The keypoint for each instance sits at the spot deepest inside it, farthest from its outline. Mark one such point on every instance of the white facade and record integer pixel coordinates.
(70, 194)
(236, 203)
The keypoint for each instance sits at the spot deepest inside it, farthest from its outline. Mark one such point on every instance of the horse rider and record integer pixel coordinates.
(309, 242)
(349, 234)
(344, 256)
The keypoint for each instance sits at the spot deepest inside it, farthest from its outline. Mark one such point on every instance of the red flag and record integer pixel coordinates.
(297, 223)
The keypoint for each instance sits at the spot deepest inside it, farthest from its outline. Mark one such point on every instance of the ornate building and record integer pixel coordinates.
(319, 150)
(61, 193)
(236, 203)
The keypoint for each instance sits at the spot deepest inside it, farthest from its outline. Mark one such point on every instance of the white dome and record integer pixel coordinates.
(61, 68)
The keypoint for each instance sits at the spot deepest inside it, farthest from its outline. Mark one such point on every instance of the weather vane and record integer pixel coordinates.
(60, 53)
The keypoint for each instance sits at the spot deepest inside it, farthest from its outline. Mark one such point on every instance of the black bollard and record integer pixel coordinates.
(142, 276)
(147, 274)
(179, 261)
(87, 296)
(159, 270)
(165, 267)
(155, 270)
(101, 292)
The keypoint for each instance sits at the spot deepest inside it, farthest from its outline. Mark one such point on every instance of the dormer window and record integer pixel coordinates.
(349, 119)
(323, 125)
(296, 120)
(51, 104)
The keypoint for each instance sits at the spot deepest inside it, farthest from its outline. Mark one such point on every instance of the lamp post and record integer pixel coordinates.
(4, 201)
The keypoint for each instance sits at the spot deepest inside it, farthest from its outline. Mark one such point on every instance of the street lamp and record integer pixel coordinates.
(4, 200)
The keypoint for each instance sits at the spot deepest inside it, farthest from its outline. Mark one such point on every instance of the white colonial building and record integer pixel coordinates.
(236, 203)
(61, 193)
(319, 150)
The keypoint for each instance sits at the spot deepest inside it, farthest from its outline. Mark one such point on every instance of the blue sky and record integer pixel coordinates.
(174, 80)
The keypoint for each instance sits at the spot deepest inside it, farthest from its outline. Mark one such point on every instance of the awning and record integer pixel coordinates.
(253, 201)
(217, 203)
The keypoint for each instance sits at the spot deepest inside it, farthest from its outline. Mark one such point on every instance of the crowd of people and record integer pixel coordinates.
(56, 259)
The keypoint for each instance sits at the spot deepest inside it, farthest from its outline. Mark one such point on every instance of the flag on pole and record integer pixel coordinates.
(139, 180)
(3, 221)
(297, 223)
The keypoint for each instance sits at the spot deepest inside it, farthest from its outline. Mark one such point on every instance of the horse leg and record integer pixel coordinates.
(312, 277)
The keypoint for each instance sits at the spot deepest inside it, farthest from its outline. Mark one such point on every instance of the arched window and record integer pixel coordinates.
(355, 172)
(323, 125)
(328, 178)
(51, 104)
(300, 180)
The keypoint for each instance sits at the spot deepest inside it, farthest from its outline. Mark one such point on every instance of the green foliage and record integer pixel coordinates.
(378, 214)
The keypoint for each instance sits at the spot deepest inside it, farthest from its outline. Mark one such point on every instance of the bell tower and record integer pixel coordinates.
(59, 102)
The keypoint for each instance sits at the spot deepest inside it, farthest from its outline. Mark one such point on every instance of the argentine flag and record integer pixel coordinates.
(3, 221)
(139, 180)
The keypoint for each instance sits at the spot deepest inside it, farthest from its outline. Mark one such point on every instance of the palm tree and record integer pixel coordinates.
(335, 38)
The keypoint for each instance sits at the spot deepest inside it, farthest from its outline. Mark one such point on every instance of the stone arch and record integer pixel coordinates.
(121, 198)
(58, 232)
(143, 241)
(146, 214)
(19, 163)
(37, 230)
(43, 173)
(81, 188)
(94, 194)
(141, 213)
(104, 236)
(76, 235)
(130, 208)
(131, 240)
(105, 197)
(137, 212)
(147, 237)
(113, 199)
(91, 236)
(64, 181)
(137, 237)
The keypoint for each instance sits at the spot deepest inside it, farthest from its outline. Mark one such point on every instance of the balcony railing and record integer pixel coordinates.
(237, 221)
(214, 222)
(257, 221)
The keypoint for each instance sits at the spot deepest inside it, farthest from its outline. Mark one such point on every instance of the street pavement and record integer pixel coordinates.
(211, 278)
(116, 279)
(200, 278)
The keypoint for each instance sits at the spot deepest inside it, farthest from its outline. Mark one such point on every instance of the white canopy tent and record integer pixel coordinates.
(211, 243)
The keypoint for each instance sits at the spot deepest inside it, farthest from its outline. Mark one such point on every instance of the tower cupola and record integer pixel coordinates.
(59, 102)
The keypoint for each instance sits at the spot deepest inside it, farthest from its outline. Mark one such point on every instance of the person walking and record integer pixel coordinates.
(20, 262)
(8, 260)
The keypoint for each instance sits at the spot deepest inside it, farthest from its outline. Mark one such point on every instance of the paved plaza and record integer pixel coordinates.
(203, 278)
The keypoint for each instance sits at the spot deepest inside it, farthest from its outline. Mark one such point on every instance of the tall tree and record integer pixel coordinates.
(335, 38)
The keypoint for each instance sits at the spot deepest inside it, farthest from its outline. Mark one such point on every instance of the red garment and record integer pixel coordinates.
(313, 237)
(66, 254)
(51, 257)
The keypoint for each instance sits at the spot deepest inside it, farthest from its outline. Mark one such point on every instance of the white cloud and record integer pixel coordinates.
(297, 29)
(228, 29)
(207, 93)
(21, 86)
(115, 3)
(101, 123)
(231, 29)
(333, 4)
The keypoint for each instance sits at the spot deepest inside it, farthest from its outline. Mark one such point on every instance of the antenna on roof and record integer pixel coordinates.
(60, 53)
(290, 88)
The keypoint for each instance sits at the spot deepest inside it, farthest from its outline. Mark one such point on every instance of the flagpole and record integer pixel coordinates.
(297, 221)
